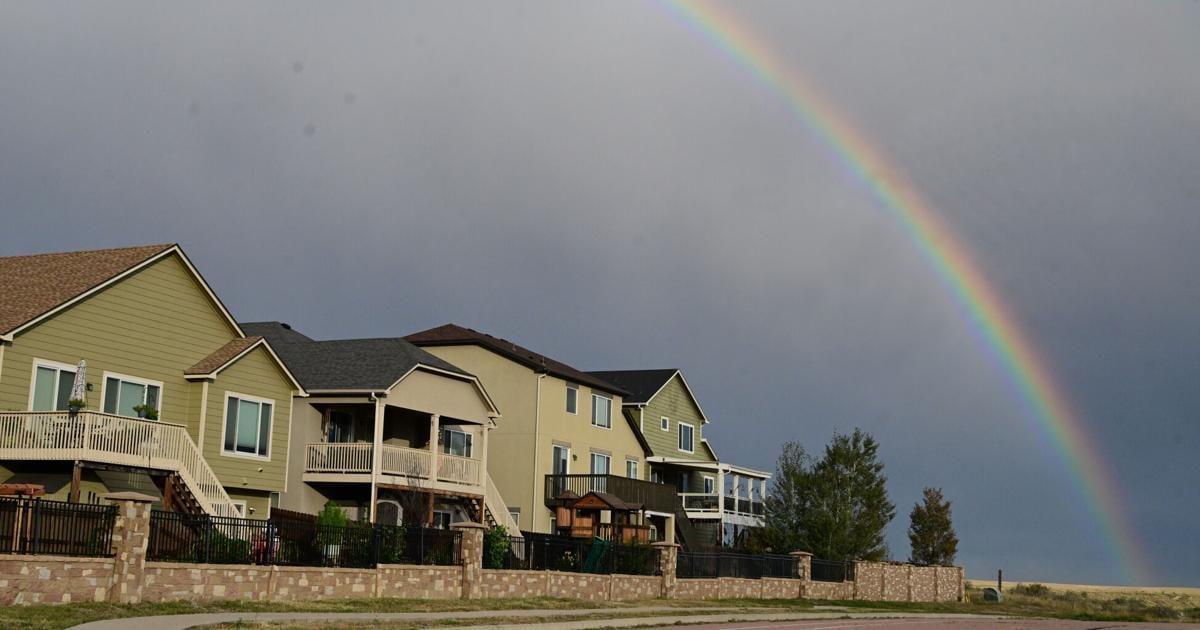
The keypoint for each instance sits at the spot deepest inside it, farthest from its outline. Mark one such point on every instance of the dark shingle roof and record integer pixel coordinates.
(33, 285)
(358, 364)
(454, 335)
(641, 384)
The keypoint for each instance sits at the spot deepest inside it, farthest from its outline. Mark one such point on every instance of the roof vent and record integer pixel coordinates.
(286, 326)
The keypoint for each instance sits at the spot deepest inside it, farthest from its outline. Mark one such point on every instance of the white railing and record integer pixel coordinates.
(406, 462)
(494, 502)
(701, 502)
(118, 440)
(344, 457)
(459, 469)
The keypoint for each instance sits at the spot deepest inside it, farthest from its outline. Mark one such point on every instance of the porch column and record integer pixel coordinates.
(435, 426)
(377, 454)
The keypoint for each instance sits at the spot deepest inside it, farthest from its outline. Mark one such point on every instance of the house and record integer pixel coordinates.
(389, 431)
(155, 341)
(563, 434)
(722, 501)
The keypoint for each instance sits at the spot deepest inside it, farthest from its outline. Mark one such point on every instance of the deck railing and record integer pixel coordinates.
(109, 439)
(338, 457)
(457, 469)
(415, 463)
(714, 503)
(652, 496)
(406, 462)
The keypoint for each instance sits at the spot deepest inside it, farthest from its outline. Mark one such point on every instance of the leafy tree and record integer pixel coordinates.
(495, 547)
(784, 506)
(931, 531)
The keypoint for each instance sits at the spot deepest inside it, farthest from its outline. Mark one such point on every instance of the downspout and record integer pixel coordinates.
(537, 425)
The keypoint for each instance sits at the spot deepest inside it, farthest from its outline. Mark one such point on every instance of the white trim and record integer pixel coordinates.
(449, 429)
(262, 341)
(592, 462)
(242, 504)
(679, 439)
(173, 249)
(664, 420)
(554, 461)
(610, 414)
(287, 458)
(515, 514)
(695, 401)
(574, 388)
(136, 380)
(56, 365)
(270, 431)
(3, 344)
(637, 467)
(203, 416)
(479, 386)
(708, 478)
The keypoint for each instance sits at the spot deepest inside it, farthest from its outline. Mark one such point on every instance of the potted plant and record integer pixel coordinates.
(75, 405)
(146, 411)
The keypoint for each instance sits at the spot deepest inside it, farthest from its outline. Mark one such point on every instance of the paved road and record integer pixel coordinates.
(932, 624)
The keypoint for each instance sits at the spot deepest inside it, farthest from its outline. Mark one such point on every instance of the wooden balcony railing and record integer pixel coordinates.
(355, 457)
(109, 439)
(655, 497)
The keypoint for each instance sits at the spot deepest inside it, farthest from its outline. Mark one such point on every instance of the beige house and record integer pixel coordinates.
(388, 431)
(178, 402)
(722, 501)
(563, 433)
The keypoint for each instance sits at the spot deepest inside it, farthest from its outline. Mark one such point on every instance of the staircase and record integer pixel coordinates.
(108, 439)
(688, 537)
(495, 511)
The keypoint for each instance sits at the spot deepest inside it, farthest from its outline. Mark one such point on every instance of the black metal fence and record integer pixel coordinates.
(545, 552)
(832, 571)
(56, 527)
(735, 565)
(179, 537)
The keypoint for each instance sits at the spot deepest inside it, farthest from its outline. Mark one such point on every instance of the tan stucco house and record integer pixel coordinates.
(563, 433)
(389, 432)
(156, 342)
(722, 501)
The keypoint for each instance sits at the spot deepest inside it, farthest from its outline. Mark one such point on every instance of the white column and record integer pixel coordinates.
(481, 452)
(376, 454)
(435, 423)
(720, 489)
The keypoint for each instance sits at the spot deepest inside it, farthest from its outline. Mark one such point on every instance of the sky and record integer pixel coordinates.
(597, 182)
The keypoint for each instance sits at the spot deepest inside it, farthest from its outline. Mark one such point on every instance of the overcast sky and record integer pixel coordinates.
(594, 181)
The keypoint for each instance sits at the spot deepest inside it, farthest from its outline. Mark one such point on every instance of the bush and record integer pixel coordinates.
(495, 547)
(1032, 590)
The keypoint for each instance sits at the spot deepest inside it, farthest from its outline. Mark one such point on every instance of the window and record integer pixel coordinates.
(710, 485)
(600, 463)
(442, 519)
(601, 411)
(561, 456)
(515, 513)
(123, 393)
(51, 386)
(239, 507)
(631, 468)
(665, 423)
(455, 442)
(572, 399)
(272, 502)
(656, 476)
(247, 425)
(686, 443)
(341, 427)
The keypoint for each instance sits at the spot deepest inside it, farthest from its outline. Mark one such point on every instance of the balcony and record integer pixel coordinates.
(400, 465)
(655, 497)
(701, 505)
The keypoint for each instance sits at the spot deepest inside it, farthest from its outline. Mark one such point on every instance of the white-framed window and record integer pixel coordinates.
(239, 507)
(710, 485)
(600, 463)
(560, 459)
(631, 468)
(687, 437)
(247, 426)
(442, 519)
(50, 389)
(456, 442)
(122, 393)
(515, 513)
(572, 399)
(601, 411)
(664, 423)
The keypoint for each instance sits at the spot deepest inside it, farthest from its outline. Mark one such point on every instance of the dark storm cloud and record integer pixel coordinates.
(593, 180)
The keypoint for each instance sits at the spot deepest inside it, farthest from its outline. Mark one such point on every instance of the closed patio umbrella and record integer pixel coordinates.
(79, 387)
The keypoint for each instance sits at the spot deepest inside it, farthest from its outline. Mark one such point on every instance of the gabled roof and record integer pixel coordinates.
(455, 335)
(37, 286)
(644, 385)
(226, 355)
(347, 364)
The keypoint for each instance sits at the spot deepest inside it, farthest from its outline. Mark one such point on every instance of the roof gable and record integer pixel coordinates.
(38, 286)
(230, 353)
(455, 335)
(645, 385)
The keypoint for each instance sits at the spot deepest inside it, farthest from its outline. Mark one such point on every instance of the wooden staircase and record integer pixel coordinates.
(177, 497)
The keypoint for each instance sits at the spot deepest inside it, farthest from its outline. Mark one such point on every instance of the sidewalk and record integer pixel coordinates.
(599, 618)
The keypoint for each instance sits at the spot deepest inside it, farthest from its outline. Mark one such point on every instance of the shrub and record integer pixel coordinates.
(1032, 590)
(495, 547)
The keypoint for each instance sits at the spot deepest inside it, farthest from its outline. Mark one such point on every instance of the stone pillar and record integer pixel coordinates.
(130, 537)
(803, 573)
(472, 558)
(668, 558)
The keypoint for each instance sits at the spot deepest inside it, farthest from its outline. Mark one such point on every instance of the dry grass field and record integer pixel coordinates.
(1094, 601)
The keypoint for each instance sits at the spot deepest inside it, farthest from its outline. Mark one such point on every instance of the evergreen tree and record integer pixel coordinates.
(846, 506)
(931, 531)
(785, 503)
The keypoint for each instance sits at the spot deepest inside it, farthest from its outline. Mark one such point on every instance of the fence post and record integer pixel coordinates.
(668, 558)
(472, 558)
(803, 570)
(131, 535)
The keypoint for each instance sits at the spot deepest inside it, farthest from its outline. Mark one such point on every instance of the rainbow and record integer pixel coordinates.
(949, 260)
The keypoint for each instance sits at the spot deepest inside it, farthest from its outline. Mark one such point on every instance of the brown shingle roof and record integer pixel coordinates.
(453, 334)
(223, 355)
(33, 285)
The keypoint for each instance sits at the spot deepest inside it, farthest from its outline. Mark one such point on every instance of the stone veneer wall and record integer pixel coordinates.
(54, 579)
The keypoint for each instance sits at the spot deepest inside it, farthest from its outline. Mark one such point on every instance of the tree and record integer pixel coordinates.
(931, 531)
(785, 504)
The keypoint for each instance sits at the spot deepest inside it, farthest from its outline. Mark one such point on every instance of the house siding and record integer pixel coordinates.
(675, 403)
